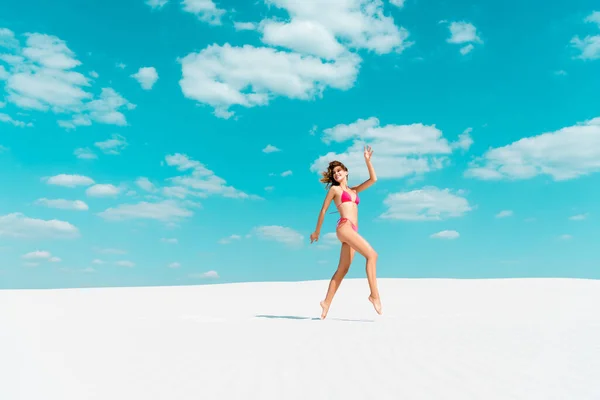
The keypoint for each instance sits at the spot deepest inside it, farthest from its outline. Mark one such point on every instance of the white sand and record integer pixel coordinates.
(438, 339)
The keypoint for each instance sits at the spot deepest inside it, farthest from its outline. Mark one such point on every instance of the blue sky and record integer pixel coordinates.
(179, 142)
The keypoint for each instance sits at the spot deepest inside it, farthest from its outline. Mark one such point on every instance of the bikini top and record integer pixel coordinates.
(347, 197)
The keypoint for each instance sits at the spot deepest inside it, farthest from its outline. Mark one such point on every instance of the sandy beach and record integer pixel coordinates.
(437, 339)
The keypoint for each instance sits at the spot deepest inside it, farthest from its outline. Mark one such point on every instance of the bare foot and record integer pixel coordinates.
(376, 304)
(325, 308)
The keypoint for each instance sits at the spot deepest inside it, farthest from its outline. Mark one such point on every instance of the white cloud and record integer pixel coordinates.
(42, 77)
(205, 10)
(114, 146)
(504, 214)
(146, 77)
(165, 210)
(10, 120)
(355, 24)
(145, 184)
(77, 205)
(174, 265)
(579, 217)
(426, 204)
(84, 153)
(565, 237)
(37, 255)
(244, 26)
(102, 190)
(447, 234)
(589, 46)
(18, 225)
(398, 150)
(567, 153)
(466, 49)
(281, 234)
(54, 259)
(248, 76)
(201, 181)
(97, 261)
(464, 140)
(68, 180)
(594, 17)
(286, 173)
(125, 263)
(229, 239)
(205, 275)
(169, 240)
(156, 4)
(309, 52)
(397, 3)
(464, 32)
(270, 149)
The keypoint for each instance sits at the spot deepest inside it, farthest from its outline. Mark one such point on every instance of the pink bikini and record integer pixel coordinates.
(347, 197)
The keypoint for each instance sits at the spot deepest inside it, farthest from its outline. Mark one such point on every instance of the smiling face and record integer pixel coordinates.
(339, 174)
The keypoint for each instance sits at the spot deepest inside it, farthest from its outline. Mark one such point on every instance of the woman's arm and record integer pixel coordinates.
(328, 198)
(372, 176)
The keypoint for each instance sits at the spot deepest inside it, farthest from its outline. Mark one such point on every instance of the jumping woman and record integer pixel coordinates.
(346, 200)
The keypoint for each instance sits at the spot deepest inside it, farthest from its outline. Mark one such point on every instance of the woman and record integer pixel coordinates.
(346, 200)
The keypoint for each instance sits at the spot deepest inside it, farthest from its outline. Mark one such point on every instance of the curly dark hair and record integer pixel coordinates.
(327, 176)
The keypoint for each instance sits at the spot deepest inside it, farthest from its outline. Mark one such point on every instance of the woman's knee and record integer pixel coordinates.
(372, 255)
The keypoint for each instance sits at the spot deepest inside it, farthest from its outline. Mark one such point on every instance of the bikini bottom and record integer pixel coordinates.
(342, 220)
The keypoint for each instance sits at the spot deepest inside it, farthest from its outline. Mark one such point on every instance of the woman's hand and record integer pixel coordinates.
(314, 237)
(368, 152)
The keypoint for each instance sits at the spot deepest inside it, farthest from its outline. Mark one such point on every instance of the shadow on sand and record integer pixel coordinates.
(310, 318)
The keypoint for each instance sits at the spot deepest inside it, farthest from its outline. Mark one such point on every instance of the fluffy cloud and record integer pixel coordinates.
(445, 235)
(565, 154)
(69, 180)
(169, 240)
(63, 204)
(426, 204)
(10, 120)
(281, 234)
(113, 146)
(397, 3)
(578, 217)
(145, 184)
(311, 51)
(18, 225)
(355, 24)
(205, 10)
(125, 263)
(589, 46)
(165, 211)
(201, 181)
(229, 239)
(248, 76)
(463, 32)
(156, 3)
(41, 76)
(270, 149)
(398, 150)
(146, 77)
(205, 275)
(40, 255)
(102, 190)
(85, 154)
(504, 214)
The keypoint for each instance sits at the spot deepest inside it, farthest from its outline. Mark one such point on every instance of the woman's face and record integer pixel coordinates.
(339, 174)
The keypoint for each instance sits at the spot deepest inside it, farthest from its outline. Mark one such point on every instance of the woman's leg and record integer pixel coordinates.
(348, 235)
(346, 256)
